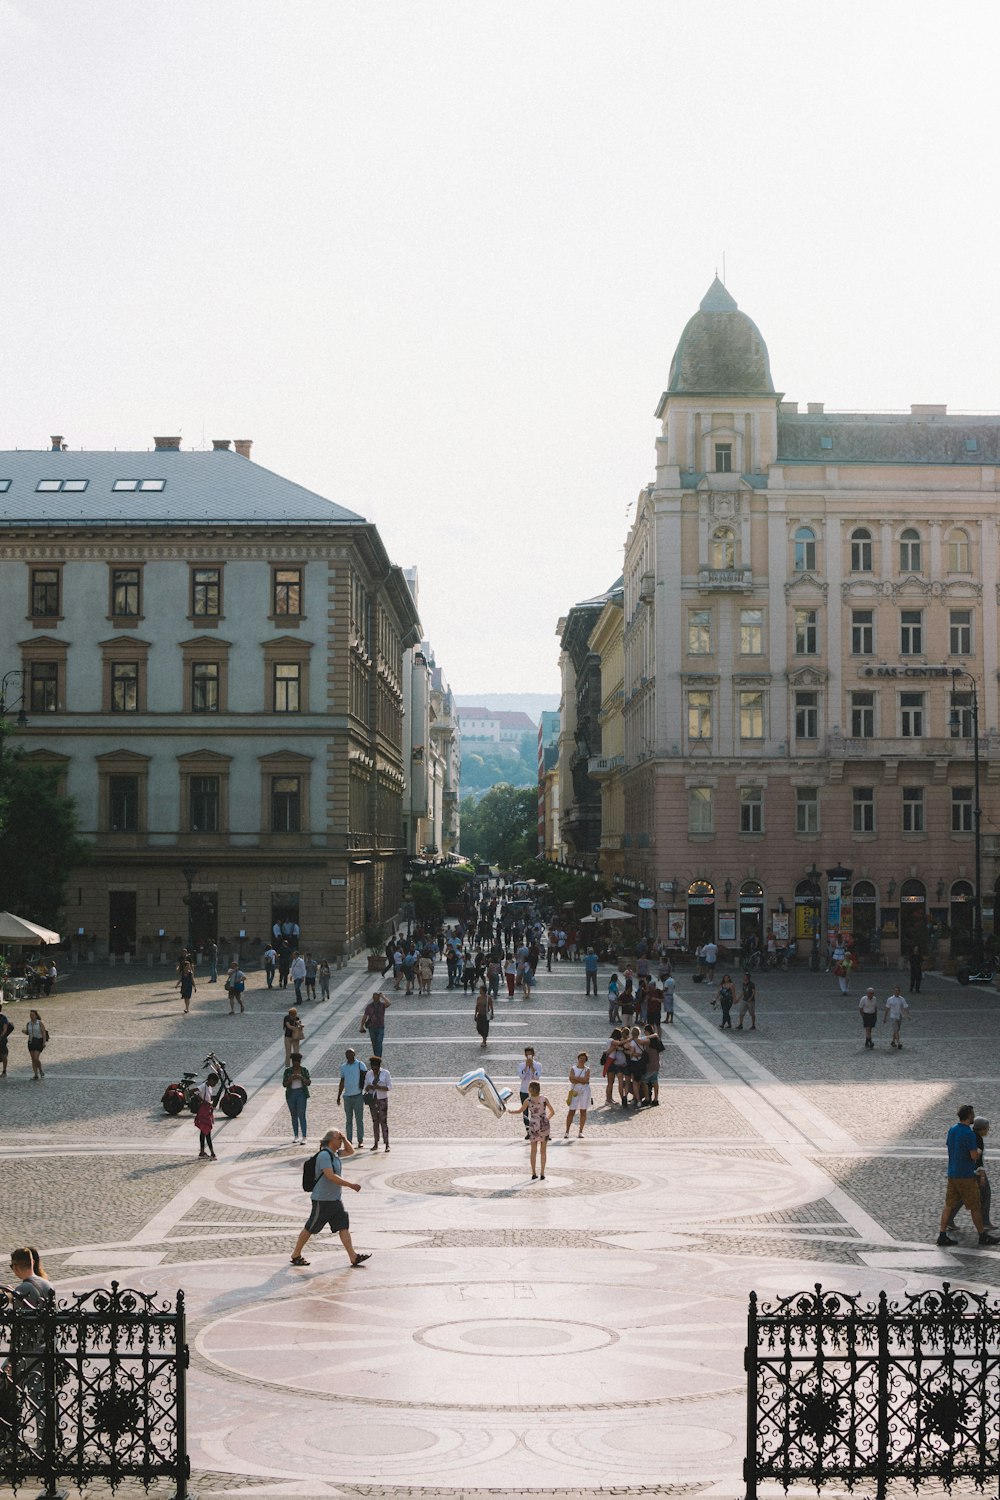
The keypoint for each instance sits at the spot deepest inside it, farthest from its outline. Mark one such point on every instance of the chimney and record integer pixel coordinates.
(927, 409)
(57, 444)
(220, 445)
(243, 446)
(814, 408)
(167, 444)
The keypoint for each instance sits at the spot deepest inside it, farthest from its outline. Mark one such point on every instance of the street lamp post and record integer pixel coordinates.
(22, 717)
(812, 875)
(189, 872)
(955, 717)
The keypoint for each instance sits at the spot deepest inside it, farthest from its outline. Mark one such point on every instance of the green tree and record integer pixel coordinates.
(39, 843)
(501, 828)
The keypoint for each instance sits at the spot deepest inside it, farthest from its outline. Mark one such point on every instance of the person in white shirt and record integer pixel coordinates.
(378, 1083)
(270, 964)
(896, 1008)
(710, 954)
(298, 973)
(529, 1071)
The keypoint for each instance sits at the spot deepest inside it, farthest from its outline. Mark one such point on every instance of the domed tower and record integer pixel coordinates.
(719, 411)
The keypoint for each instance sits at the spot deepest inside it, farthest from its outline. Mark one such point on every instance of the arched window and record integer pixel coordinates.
(861, 550)
(751, 888)
(913, 890)
(701, 888)
(959, 551)
(863, 891)
(805, 550)
(723, 550)
(909, 551)
(962, 891)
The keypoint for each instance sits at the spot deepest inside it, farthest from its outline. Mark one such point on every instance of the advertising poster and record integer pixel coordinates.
(727, 927)
(677, 927)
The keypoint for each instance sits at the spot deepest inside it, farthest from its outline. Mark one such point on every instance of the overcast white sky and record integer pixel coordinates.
(434, 257)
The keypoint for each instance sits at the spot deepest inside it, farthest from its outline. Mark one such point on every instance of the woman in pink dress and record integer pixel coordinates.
(538, 1111)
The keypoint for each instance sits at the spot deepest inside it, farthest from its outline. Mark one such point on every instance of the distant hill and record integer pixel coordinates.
(531, 704)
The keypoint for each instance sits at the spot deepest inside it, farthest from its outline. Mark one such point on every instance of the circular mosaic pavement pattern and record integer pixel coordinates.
(503, 1339)
(509, 1182)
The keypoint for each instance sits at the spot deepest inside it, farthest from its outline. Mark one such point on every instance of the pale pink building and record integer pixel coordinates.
(801, 588)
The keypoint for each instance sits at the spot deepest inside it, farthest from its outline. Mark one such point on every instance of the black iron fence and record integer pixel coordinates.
(859, 1392)
(93, 1387)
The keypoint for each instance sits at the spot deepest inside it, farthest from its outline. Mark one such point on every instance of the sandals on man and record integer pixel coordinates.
(297, 1260)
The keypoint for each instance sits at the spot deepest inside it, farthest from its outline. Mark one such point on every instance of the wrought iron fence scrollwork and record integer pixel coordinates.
(93, 1386)
(857, 1391)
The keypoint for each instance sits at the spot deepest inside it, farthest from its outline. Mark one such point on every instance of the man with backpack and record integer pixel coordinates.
(323, 1171)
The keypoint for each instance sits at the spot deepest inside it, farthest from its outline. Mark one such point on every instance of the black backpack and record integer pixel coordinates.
(310, 1172)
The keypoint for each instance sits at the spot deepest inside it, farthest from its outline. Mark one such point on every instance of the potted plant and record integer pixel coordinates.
(375, 938)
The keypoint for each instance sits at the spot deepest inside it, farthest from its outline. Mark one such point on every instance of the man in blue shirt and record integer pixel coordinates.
(963, 1184)
(590, 969)
(327, 1207)
(351, 1090)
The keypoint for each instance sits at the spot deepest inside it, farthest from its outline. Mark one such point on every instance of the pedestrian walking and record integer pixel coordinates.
(529, 1072)
(669, 985)
(212, 953)
(270, 962)
(748, 1002)
(590, 971)
(6, 1032)
(351, 1091)
(327, 1205)
(510, 972)
(284, 965)
(481, 1015)
(312, 968)
(527, 981)
(32, 1292)
(654, 1049)
(895, 1009)
(724, 998)
(710, 955)
(578, 1098)
(324, 980)
(614, 1011)
(373, 1020)
(981, 1128)
(963, 1185)
(295, 1083)
(236, 983)
(378, 1085)
(868, 1006)
(293, 1033)
(297, 970)
(916, 970)
(38, 1038)
(539, 1111)
(205, 1117)
(187, 986)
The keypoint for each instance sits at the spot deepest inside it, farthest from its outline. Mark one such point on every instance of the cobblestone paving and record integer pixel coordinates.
(92, 1160)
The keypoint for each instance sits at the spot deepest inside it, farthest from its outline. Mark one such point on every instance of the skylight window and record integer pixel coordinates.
(826, 442)
(139, 484)
(125, 484)
(971, 445)
(47, 485)
(4, 486)
(51, 486)
(152, 484)
(74, 484)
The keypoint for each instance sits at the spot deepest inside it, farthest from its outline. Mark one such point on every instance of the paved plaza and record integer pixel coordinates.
(571, 1336)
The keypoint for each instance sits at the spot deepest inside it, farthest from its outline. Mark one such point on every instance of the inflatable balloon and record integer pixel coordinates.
(487, 1093)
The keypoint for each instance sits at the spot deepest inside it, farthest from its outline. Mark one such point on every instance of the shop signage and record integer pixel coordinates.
(646, 903)
(701, 901)
(883, 671)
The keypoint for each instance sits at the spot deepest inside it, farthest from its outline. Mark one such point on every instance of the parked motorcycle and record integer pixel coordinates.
(230, 1098)
(983, 973)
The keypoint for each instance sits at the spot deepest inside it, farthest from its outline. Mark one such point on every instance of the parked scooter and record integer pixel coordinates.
(983, 973)
(230, 1098)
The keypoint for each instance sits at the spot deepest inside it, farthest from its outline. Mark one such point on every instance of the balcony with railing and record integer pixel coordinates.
(912, 747)
(601, 766)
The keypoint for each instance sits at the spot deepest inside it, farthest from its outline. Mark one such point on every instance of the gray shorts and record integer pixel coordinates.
(327, 1211)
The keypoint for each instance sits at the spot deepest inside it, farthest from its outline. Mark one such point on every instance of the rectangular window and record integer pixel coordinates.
(751, 632)
(205, 687)
(124, 687)
(807, 809)
(913, 809)
(911, 632)
(285, 804)
(751, 716)
(862, 632)
(699, 631)
(961, 809)
(287, 591)
(960, 720)
(960, 632)
(861, 551)
(911, 715)
(863, 716)
(863, 809)
(45, 592)
(204, 804)
(206, 592)
(43, 694)
(287, 687)
(806, 632)
(723, 458)
(125, 592)
(699, 716)
(123, 804)
(700, 809)
(751, 809)
(807, 716)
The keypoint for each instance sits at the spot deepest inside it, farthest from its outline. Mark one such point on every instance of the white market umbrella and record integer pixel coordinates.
(20, 930)
(611, 914)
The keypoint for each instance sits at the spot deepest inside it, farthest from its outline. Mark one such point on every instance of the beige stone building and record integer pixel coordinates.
(212, 659)
(804, 594)
(607, 642)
